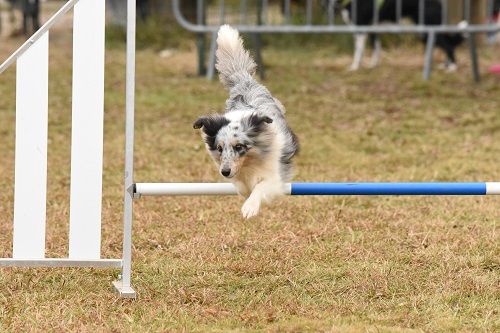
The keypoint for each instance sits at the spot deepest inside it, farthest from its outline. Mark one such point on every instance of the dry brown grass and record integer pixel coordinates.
(336, 264)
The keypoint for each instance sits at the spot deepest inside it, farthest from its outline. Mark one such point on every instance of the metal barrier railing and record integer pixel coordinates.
(329, 9)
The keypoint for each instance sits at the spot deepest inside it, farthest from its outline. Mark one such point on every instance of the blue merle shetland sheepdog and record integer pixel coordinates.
(251, 143)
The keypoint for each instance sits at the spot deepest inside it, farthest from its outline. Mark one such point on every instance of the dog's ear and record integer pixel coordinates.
(211, 124)
(257, 121)
(199, 122)
(256, 124)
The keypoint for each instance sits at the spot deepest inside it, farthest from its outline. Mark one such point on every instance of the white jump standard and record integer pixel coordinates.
(87, 152)
(29, 223)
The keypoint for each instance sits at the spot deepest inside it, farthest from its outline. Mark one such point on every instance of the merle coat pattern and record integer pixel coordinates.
(251, 143)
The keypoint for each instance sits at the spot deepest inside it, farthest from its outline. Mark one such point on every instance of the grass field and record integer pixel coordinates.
(333, 264)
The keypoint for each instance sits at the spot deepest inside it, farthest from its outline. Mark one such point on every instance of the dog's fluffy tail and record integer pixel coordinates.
(233, 61)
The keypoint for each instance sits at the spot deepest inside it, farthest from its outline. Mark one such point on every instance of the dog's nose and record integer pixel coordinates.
(226, 172)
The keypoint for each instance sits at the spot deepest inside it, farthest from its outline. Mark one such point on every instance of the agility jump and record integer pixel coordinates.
(87, 142)
(185, 189)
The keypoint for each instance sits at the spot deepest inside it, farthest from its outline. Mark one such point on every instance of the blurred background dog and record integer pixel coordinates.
(387, 12)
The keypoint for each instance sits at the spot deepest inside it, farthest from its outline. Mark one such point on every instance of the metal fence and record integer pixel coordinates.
(320, 17)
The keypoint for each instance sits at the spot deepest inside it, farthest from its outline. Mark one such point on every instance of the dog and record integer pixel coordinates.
(387, 12)
(251, 143)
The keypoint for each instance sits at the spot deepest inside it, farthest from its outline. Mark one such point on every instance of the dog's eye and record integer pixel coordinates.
(239, 147)
(219, 149)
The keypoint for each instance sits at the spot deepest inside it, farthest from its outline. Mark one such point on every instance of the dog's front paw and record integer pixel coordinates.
(451, 68)
(353, 68)
(250, 208)
(374, 62)
(442, 66)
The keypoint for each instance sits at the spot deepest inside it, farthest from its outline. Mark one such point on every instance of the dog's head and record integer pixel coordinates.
(232, 143)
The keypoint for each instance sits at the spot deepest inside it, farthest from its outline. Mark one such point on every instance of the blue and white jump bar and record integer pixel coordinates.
(172, 189)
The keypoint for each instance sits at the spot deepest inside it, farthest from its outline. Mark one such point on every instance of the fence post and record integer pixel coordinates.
(258, 42)
(211, 57)
(431, 39)
(471, 39)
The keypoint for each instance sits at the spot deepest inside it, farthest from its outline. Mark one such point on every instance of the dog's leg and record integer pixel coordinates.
(359, 44)
(242, 189)
(25, 22)
(36, 16)
(377, 48)
(450, 65)
(265, 191)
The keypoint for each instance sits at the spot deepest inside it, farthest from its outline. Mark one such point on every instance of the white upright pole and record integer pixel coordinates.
(124, 286)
